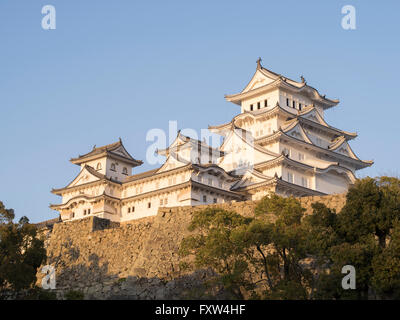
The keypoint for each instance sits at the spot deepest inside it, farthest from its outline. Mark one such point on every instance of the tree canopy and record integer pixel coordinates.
(281, 253)
(21, 251)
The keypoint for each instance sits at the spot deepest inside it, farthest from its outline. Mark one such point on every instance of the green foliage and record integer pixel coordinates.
(364, 234)
(21, 252)
(386, 267)
(271, 244)
(74, 295)
(215, 246)
(282, 245)
(293, 256)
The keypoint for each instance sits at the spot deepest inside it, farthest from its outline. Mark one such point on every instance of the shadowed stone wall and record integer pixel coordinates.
(137, 259)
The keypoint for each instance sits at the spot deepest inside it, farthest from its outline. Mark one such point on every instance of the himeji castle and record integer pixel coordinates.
(278, 143)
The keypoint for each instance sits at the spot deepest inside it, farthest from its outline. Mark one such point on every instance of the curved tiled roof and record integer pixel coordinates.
(279, 80)
(107, 150)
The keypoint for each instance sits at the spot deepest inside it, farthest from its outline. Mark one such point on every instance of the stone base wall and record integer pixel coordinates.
(137, 259)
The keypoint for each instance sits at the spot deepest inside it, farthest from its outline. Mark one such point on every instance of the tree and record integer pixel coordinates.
(21, 252)
(364, 234)
(280, 241)
(261, 254)
(214, 247)
(279, 253)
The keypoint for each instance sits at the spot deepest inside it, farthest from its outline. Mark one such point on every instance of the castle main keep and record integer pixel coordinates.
(279, 143)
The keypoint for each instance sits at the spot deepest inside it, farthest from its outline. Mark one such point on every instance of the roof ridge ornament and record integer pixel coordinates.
(303, 80)
(259, 66)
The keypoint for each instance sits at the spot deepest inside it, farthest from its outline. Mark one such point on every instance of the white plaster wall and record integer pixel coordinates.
(298, 98)
(330, 183)
(272, 97)
(118, 173)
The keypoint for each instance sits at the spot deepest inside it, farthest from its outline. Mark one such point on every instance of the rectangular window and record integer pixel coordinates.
(258, 105)
(161, 202)
(84, 212)
(220, 184)
(290, 177)
(265, 103)
(301, 156)
(133, 209)
(287, 102)
(304, 182)
(149, 205)
(286, 151)
(88, 211)
(129, 210)
(251, 107)
(210, 181)
(300, 106)
(165, 201)
(215, 200)
(294, 104)
(204, 198)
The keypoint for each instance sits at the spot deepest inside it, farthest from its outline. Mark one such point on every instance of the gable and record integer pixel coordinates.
(249, 178)
(172, 162)
(240, 152)
(299, 133)
(344, 149)
(122, 152)
(313, 115)
(84, 176)
(258, 80)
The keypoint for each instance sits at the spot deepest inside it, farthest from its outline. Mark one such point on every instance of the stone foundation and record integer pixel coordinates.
(137, 259)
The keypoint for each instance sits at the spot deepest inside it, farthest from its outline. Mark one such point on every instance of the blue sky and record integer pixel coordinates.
(120, 68)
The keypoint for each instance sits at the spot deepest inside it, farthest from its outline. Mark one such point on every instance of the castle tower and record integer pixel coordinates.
(295, 151)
